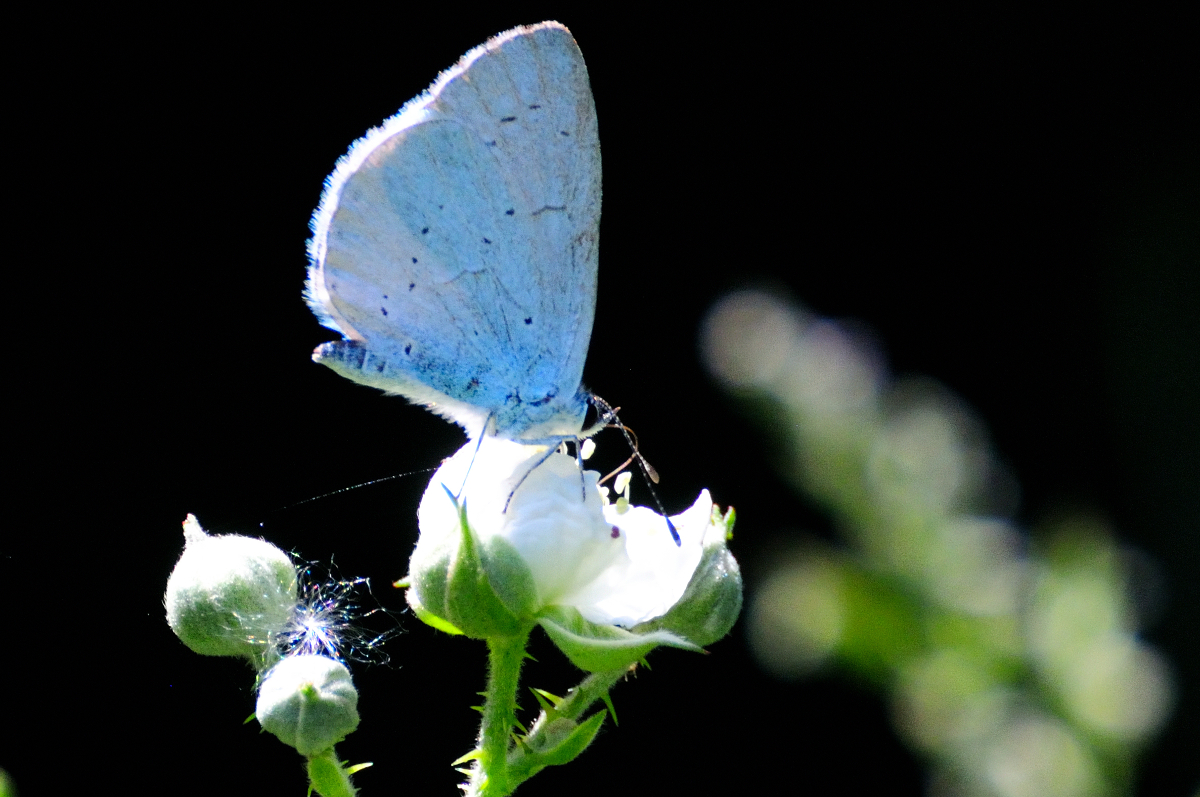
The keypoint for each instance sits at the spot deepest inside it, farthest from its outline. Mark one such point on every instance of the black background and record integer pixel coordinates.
(1010, 204)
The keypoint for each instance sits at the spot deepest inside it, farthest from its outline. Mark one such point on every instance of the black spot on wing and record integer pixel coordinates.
(506, 119)
(529, 320)
(544, 399)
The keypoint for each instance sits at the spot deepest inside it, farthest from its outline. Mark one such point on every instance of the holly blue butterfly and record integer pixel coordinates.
(455, 247)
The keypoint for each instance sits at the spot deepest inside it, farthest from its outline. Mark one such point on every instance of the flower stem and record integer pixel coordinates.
(590, 689)
(549, 742)
(327, 777)
(489, 776)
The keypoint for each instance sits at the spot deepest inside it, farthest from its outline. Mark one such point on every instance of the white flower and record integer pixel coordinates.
(616, 565)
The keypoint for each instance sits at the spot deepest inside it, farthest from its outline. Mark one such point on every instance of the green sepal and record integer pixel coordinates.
(547, 700)
(452, 585)
(509, 576)
(428, 617)
(713, 599)
(729, 519)
(599, 648)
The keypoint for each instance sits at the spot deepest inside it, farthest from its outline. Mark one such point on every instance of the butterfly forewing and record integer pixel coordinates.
(457, 244)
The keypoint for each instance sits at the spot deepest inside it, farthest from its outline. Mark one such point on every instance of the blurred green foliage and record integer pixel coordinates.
(1011, 663)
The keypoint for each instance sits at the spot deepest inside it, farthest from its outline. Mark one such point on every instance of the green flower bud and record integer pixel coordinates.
(309, 702)
(230, 595)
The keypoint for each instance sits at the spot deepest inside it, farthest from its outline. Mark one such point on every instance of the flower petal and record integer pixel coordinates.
(652, 575)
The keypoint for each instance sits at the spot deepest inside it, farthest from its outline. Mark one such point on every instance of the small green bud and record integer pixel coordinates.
(552, 734)
(559, 742)
(309, 702)
(230, 595)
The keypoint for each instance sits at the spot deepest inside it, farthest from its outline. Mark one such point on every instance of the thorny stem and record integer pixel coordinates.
(489, 775)
(590, 689)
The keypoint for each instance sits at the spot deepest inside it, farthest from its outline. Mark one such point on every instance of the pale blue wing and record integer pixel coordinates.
(456, 246)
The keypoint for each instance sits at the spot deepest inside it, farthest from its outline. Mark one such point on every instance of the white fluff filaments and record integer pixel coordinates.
(329, 621)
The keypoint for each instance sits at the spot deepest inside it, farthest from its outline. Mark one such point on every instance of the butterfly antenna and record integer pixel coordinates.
(647, 470)
(645, 465)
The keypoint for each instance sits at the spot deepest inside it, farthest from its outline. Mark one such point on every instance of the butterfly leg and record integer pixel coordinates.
(477, 445)
(536, 465)
(579, 462)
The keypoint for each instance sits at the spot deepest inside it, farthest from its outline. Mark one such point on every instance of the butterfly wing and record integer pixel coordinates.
(456, 246)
